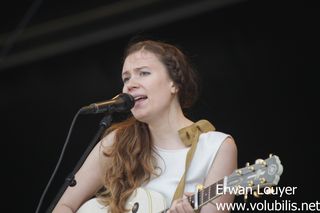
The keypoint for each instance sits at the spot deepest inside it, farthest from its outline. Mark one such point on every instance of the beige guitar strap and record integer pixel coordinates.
(190, 136)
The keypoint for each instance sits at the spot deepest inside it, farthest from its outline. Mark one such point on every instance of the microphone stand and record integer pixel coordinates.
(70, 181)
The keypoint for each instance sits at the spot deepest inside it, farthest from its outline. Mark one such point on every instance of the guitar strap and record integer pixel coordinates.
(190, 136)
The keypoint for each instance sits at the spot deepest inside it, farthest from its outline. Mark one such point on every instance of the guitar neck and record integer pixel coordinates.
(261, 174)
(204, 196)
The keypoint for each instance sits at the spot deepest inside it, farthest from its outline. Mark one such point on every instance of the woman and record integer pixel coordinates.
(149, 149)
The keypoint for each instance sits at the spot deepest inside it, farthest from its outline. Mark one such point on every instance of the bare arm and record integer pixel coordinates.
(224, 164)
(89, 179)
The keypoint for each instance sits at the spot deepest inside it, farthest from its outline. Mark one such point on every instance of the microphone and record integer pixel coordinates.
(119, 103)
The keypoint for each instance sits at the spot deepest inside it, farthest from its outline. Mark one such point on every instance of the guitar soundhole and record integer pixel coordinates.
(135, 207)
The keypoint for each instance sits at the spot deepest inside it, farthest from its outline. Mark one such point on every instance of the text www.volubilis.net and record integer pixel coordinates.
(283, 205)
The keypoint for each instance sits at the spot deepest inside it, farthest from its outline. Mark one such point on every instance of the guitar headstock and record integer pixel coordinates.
(263, 173)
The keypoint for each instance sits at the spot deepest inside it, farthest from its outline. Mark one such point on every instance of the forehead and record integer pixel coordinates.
(139, 58)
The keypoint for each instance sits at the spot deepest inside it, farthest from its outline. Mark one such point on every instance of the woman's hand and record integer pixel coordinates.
(181, 205)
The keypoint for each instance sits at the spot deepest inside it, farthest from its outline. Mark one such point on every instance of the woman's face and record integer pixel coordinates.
(147, 80)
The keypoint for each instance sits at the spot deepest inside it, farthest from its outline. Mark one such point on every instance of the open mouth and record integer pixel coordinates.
(140, 98)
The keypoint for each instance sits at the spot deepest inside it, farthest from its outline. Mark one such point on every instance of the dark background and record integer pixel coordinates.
(257, 61)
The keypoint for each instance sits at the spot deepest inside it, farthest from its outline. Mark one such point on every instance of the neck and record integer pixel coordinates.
(164, 129)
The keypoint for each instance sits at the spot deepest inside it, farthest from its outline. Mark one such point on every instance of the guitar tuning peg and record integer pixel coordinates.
(251, 168)
(255, 194)
(245, 197)
(238, 172)
(262, 180)
(261, 162)
(269, 191)
(199, 187)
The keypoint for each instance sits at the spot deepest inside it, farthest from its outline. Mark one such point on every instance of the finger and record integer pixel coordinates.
(180, 207)
(187, 206)
(187, 194)
(177, 206)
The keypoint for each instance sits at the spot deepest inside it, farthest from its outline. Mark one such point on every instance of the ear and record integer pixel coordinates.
(173, 88)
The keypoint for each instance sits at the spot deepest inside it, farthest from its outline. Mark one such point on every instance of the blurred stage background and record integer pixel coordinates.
(256, 60)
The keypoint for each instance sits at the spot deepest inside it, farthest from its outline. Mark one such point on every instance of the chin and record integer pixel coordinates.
(142, 117)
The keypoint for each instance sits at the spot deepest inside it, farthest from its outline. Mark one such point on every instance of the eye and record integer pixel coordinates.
(124, 80)
(143, 73)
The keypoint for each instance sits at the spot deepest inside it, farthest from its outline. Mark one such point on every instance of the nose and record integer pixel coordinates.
(130, 85)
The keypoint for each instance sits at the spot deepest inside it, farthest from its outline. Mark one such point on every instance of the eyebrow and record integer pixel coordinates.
(135, 70)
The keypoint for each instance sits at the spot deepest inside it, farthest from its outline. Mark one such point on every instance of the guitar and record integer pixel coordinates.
(264, 173)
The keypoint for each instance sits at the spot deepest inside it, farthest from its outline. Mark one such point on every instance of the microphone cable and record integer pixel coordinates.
(58, 163)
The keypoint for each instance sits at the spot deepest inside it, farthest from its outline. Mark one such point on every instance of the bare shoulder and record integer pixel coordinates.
(103, 147)
(224, 164)
(225, 161)
(227, 154)
(108, 140)
(228, 146)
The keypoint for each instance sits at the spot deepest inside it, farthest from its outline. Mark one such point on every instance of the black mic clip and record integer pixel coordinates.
(120, 103)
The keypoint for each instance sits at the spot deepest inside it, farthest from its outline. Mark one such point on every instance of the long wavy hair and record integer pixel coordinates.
(133, 161)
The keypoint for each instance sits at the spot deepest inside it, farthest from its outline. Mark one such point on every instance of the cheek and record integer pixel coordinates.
(124, 89)
(162, 90)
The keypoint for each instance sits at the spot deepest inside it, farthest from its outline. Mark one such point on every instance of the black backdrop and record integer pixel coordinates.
(255, 61)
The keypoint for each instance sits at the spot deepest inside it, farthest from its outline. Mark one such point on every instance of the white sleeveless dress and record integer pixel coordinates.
(159, 191)
(172, 164)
